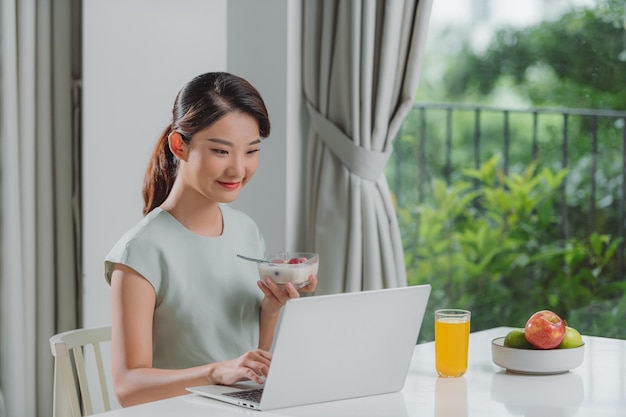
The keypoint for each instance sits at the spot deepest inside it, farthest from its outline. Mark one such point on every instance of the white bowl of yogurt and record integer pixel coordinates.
(294, 267)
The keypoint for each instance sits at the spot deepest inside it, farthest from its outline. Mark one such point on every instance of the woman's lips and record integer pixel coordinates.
(230, 185)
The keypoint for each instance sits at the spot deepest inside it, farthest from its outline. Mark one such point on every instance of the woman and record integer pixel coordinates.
(185, 310)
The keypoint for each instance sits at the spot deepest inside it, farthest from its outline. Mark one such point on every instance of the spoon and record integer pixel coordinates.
(259, 261)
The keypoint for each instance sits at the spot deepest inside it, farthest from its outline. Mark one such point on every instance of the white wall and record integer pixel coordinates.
(137, 54)
(264, 47)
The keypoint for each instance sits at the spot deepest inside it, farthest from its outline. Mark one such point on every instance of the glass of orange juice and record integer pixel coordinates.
(452, 328)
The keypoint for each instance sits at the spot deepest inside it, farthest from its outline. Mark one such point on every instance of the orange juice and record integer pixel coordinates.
(451, 343)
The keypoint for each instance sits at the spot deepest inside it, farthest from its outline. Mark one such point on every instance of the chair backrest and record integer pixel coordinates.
(72, 396)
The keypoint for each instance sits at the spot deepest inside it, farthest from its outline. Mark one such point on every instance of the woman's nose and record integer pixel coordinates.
(236, 167)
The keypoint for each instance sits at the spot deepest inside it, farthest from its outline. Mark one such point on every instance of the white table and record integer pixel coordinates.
(597, 388)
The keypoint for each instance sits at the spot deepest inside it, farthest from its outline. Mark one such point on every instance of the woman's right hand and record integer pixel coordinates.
(252, 366)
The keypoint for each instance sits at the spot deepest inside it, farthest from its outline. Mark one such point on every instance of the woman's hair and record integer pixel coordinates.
(200, 103)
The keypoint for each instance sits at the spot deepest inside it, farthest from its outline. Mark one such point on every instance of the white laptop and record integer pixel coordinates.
(334, 347)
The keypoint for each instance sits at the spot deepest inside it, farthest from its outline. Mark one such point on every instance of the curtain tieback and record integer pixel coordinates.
(367, 164)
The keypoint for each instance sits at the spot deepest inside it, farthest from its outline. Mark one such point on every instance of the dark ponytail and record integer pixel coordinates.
(160, 175)
(200, 103)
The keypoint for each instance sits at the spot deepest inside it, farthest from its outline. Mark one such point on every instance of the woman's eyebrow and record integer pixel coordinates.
(228, 143)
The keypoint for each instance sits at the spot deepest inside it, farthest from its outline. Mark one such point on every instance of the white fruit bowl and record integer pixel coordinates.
(281, 271)
(536, 361)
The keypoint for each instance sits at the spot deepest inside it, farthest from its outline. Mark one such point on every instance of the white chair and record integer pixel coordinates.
(72, 396)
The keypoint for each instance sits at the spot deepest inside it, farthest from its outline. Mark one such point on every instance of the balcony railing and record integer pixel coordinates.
(564, 137)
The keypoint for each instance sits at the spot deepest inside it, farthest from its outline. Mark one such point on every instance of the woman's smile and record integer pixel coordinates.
(230, 185)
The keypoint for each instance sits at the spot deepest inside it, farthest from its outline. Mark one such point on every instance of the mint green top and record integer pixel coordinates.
(207, 300)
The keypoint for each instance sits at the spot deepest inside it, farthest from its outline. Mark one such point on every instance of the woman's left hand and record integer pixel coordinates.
(276, 297)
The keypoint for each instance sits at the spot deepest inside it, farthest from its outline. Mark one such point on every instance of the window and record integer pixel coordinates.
(509, 174)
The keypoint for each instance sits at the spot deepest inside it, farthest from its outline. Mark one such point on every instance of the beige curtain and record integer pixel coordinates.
(361, 70)
(39, 220)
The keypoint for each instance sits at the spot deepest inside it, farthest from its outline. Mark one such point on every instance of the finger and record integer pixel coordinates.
(291, 291)
(261, 357)
(280, 294)
(311, 286)
(273, 292)
(263, 370)
(269, 283)
(264, 354)
(253, 376)
(259, 368)
(264, 288)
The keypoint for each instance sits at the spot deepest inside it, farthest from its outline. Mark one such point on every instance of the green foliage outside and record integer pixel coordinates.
(577, 61)
(491, 241)
(492, 249)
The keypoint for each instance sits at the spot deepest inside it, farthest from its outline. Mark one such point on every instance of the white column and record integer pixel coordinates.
(264, 47)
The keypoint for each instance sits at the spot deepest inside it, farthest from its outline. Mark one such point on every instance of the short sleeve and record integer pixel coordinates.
(140, 248)
(141, 255)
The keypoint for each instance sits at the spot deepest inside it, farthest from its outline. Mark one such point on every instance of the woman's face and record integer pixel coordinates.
(222, 158)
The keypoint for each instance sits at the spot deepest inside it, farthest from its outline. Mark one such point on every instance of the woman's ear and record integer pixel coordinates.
(177, 145)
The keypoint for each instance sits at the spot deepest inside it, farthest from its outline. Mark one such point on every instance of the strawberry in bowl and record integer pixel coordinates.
(294, 267)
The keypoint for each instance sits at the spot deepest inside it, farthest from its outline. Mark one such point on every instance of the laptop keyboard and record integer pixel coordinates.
(253, 395)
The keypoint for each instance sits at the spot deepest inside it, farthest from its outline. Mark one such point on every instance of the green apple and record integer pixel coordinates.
(572, 339)
(516, 338)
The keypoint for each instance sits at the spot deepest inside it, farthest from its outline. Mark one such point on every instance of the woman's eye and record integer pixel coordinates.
(253, 151)
(220, 151)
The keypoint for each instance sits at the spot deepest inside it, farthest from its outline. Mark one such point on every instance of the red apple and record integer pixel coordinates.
(545, 330)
